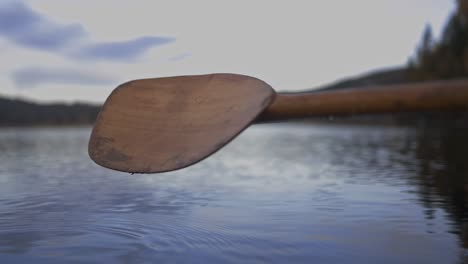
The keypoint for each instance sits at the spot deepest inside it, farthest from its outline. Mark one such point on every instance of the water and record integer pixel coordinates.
(290, 193)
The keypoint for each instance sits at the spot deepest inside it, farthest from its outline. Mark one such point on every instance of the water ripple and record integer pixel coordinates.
(291, 193)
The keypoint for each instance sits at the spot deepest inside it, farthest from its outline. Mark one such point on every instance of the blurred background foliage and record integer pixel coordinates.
(446, 58)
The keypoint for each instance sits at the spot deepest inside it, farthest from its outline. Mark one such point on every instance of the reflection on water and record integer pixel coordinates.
(443, 181)
(279, 193)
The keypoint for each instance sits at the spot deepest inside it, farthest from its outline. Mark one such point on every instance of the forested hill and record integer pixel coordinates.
(15, 112)
(440, 58)
(381, 77)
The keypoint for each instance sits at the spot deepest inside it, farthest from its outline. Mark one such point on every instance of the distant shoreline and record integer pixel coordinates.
(46, 126)
(19, 113)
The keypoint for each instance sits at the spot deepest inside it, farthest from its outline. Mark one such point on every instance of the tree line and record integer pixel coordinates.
(447, 57)
(22, 113)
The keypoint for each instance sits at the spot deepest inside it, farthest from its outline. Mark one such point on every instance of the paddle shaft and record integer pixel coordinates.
(428, 96)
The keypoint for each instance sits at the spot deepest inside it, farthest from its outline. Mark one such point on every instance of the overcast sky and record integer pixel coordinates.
(63, 50)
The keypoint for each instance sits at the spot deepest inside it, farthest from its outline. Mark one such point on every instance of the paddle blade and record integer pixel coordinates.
(165, 124)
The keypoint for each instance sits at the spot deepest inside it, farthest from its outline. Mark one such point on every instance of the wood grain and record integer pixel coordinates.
(428, 96)
(163, 124)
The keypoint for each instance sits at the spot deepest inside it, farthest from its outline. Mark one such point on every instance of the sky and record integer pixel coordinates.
(64, 50)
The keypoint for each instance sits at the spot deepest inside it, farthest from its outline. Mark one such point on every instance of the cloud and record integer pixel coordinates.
(21, 25)
(180, 56)
(27, 28)
(121, 51)
(34, 76)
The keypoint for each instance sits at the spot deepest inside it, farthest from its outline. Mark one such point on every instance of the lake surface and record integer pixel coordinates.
(289, 193)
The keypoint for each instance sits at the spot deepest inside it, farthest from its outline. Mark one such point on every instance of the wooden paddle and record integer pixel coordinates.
(165, 124)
